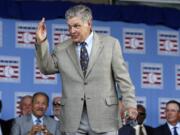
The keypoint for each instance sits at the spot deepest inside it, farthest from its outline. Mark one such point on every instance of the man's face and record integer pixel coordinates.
(79, 30)
(26, 106)
(172, 113)
(141, 115)
(57, 106)
(39, 105)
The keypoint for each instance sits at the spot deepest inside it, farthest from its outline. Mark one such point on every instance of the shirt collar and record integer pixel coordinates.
(34, 118)
(56, 118)
(178, 125)
(172, 126)
(88, 39)
(138, 125)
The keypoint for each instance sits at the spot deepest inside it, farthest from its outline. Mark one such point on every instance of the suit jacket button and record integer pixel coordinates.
(82, 99)
(85, 83)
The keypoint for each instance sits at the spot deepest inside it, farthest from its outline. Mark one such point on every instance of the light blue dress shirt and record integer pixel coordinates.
(171, 127)
(89, 42)
(34, 118)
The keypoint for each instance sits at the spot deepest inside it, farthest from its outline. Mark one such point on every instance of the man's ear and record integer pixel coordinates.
(90, 22)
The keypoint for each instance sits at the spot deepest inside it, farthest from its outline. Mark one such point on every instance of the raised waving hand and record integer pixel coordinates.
(41, 32)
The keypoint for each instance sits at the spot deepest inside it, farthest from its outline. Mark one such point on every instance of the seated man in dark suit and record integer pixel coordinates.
(141, 128)
(37, 121)
(172, 126)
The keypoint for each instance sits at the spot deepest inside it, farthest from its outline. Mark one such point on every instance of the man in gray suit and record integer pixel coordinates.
(89, 65)
(36, 122)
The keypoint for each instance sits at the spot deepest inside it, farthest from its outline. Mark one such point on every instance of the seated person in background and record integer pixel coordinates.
(3, 126)
(25, 105)
(172, 125)
(56, 108)
(25, 108)
(37, 121)
(141, 128)
(137, 127)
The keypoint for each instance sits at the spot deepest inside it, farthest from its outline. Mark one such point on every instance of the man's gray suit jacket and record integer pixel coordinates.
(106, 65)
(22, 125)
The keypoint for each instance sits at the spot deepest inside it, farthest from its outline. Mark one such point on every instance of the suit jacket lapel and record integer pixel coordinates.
(29, 122)
(45, 122)
(73, 55)
(167, 130)
(95, 51)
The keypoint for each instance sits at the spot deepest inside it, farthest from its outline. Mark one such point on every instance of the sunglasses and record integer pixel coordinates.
(56, 104)
(141, 113)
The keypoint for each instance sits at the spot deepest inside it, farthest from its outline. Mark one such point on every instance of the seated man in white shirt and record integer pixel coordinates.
(172, 126)
(141, 128)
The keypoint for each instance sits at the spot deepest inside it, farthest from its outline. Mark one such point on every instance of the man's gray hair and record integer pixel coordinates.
(79, 11)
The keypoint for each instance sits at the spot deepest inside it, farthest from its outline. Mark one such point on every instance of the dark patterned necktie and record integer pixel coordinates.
(175, 131)
(38, 121)
(84, 58)
(141, 130)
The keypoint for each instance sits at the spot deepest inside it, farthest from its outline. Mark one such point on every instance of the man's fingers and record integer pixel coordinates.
(41, 25)
(131, 113)
(41, 31)
(43, 20)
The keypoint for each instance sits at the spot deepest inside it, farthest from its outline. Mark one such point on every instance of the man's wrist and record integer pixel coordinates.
(41, 41)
